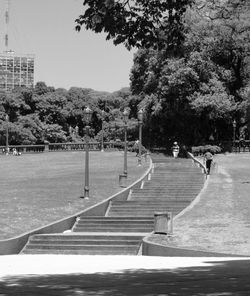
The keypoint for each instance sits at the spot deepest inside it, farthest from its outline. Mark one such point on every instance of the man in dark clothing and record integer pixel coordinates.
(208, 158)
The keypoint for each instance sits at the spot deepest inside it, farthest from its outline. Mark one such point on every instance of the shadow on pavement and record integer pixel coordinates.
(220, 278)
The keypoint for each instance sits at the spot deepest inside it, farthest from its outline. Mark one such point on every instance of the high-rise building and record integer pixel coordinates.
(16, 70)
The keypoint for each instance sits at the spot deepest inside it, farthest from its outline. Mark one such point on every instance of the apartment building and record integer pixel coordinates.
(16, 70)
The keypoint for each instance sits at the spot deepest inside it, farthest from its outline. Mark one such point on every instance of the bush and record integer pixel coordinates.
(199, 150)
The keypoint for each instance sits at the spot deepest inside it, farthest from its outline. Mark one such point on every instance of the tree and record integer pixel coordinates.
(137, 23)
(41, 88)
(198, 92)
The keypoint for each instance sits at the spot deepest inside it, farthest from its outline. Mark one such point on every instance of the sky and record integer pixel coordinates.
(63, 57)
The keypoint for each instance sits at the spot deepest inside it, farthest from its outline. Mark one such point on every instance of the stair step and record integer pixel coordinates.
(128, 218)
(111, 229)
(146, 207)
(79, 247)
(166, 191)
(142, 213)
(72, 236)
(103, 224)
(150, 202)
(175, 197)
(176, 200)
(34, 242)
(113, 251)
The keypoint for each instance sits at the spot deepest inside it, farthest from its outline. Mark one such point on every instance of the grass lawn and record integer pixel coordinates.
(37, 189)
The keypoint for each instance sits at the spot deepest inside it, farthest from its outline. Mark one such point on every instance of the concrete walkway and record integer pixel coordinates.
(30, 275)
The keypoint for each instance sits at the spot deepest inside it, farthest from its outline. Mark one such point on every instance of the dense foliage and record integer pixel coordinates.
(56, 115)
(194, 95)
(136, 23)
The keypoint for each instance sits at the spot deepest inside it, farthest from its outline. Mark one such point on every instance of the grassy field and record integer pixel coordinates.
(36, 189)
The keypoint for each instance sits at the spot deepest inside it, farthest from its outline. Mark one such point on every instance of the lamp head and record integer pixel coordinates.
(125, 115)
(87, 114)
(140, 115)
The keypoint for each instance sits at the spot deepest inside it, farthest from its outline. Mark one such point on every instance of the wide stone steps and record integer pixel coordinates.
(165, 190)
(172, 186)
(141, 212)
(83, 244)
(144, 205)
(114, 224)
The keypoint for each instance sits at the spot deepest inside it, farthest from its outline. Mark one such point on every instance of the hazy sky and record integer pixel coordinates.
(64, 57)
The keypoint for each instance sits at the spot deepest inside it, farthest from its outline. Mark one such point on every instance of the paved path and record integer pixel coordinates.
(220, 221)
(30, 275)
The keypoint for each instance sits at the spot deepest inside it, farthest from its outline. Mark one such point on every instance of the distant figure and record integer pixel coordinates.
(15, 153)
(175, 149)
(136, 147)
(7, 151)
(208, 158)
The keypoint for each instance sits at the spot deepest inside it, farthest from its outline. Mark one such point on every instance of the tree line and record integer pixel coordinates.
(45, 114)
(190, 76)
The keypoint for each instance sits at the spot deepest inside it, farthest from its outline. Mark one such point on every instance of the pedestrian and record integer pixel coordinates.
(175, 149)
(136, 147)
(208, 158)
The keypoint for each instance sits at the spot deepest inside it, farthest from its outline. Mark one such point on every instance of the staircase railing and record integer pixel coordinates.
(198, 163)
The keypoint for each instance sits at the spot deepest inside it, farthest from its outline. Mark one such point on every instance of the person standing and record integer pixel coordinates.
(136, 146)
(175, 149)
(208, 158)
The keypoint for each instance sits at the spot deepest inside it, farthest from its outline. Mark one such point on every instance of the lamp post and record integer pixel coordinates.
(70, 130)
(7, 134)
(77, 130)
(125, 119)
(102, 144)
(234, 129)
(87, 114)
(140, 119)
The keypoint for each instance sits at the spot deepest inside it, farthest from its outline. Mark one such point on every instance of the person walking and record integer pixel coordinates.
(175, 149)
(208, 158)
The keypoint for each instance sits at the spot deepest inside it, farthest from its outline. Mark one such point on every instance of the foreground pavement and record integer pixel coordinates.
(122, 275)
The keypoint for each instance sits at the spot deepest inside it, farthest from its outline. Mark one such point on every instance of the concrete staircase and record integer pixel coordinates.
(84, 244)
(171, 187)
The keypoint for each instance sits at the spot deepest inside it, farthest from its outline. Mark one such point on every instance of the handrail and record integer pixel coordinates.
(198, 162)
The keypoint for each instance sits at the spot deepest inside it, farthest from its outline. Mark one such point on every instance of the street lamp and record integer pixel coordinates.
(87, 114)
(7, 134)
(234, 129)
(102, 145)
(77, 130)
(140, 119)
(125, 119)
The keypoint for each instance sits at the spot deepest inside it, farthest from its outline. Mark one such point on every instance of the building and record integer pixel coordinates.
(16, 70)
